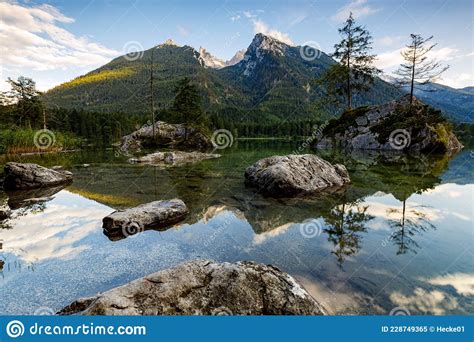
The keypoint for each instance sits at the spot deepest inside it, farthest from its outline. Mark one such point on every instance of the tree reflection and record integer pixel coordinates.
(410, 224)
(346, 225)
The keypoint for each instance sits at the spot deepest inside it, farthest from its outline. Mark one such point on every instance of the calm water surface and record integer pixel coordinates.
(401, 236)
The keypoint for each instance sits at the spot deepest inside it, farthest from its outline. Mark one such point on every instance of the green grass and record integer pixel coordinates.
(14, 140)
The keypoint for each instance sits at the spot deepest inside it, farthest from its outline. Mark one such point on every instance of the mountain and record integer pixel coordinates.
(270, 82)
(211, 61)
(457, 104)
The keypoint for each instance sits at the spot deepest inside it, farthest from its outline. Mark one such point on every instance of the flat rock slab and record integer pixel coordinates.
(176, 157)
(293, 175)
(20, 176)
(149, 215)
(204, 287)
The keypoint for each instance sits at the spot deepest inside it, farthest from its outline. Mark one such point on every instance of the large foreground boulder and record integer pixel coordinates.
(292, 175)
(175, 135)
(30, 176)
(204, 288)
(393, 126)
(157, 214)
(174, 158)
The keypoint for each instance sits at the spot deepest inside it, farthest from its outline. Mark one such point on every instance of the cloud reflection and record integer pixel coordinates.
(54, 232)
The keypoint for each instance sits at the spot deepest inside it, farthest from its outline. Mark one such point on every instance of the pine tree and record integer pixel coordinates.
(418, 69)
(355, 71)
(187, 106)
(24, 94)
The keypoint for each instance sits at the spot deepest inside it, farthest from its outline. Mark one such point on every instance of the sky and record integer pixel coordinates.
(58, 40)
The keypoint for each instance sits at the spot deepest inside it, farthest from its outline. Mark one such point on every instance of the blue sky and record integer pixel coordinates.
(55, 41)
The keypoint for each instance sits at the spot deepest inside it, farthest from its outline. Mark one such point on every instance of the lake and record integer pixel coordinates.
(399, 239)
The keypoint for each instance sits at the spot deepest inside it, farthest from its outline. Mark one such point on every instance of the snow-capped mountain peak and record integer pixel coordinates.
(169, 41)
(260, 47)
(262, 44)
(239, 55)
(209, 61)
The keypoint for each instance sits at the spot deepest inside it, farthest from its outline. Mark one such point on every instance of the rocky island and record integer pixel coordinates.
(394, 126)
(173, 135)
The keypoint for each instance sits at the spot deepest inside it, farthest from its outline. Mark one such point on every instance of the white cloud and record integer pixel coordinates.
(460, 80)
(425, 302)
(183, 31)
(388, 40)
(32, 38)
(261, 27)
(463, 283)
(392, 59)
(359, 9)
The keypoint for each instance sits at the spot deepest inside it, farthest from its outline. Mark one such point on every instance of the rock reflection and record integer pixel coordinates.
(25, 198)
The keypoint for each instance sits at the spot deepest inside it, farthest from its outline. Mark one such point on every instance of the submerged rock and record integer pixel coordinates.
(145, 216)
(204, 288)
(166, 135)
(291, 175)
(173, 158)
(29, 176)
(395, 126)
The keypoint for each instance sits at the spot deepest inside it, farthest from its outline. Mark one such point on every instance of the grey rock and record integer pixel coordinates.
(204, 287)
(292, 175)
(166, 135)
(365, 141)
(173, 158)
(30, 176)
(362, 120)
(362, 135)
(149, 215)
